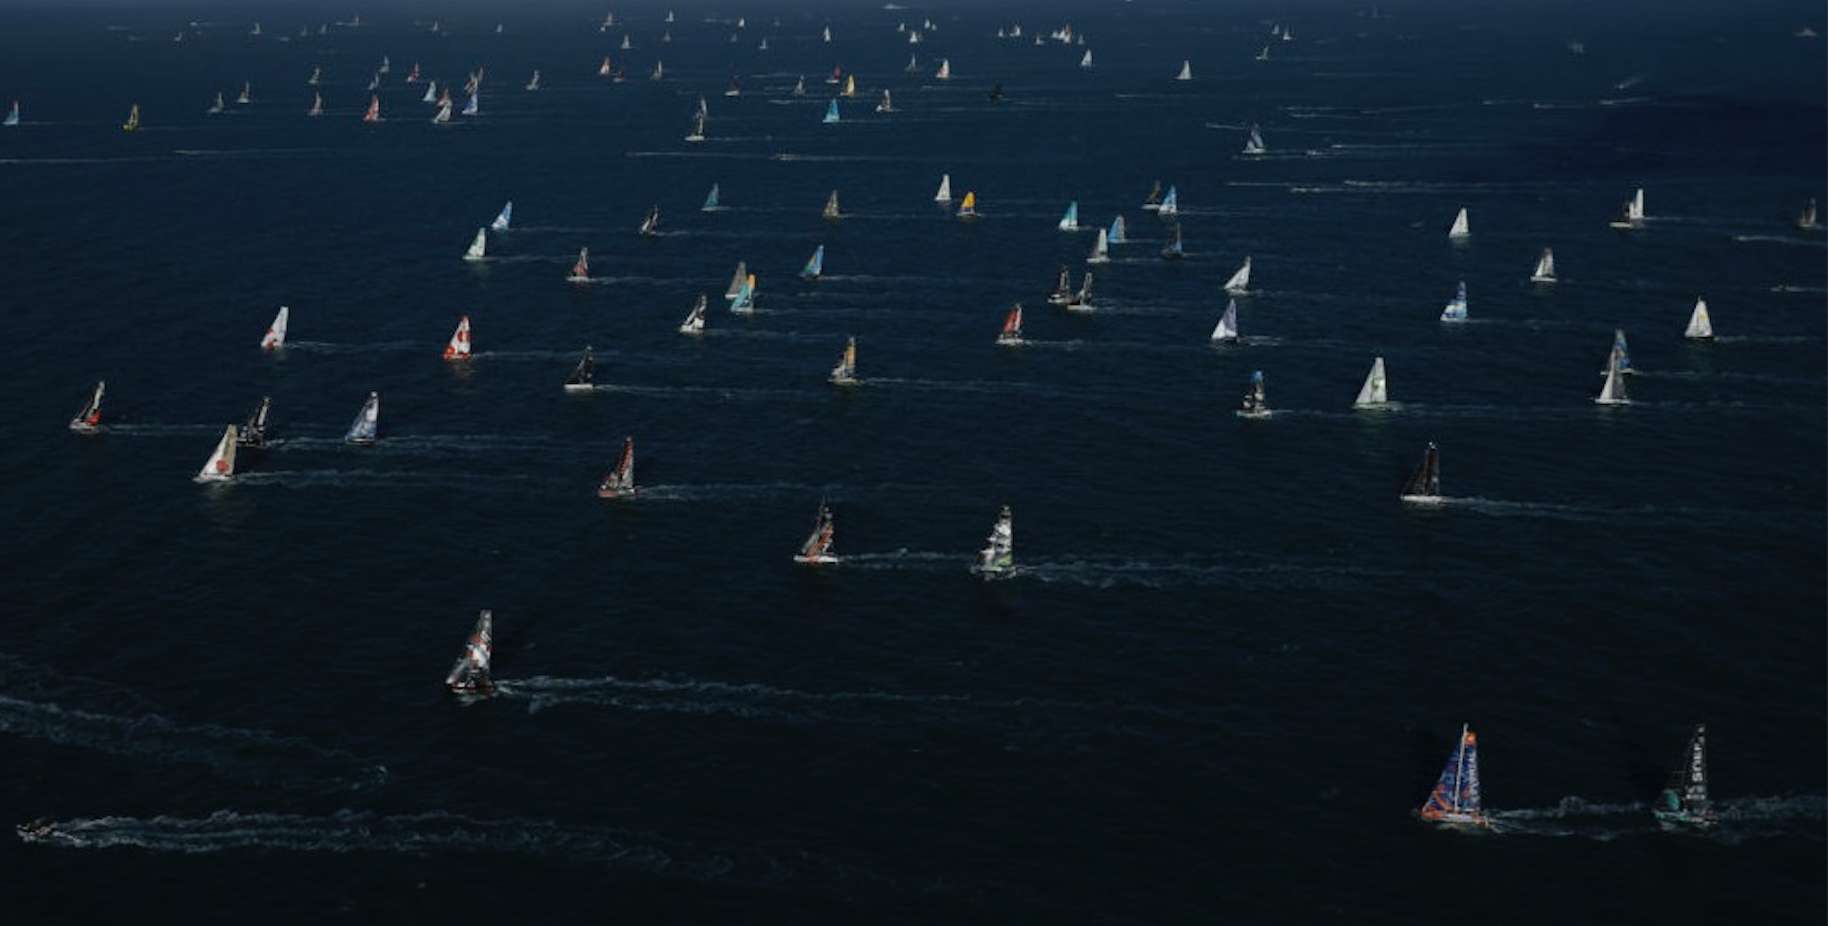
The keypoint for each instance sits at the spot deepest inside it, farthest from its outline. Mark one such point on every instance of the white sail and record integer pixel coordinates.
(1545, 268)
(1456, 309)
(1253, 145)
(1460, 228)
(945, 70)
(220, 467)
(459, 346)
(945, 189)
(431, 93)
(845, 373)
(367, 421)
(1101, 251)
(737, 279)
(276, 333)
(695, 320)
(1085, 60)
(998, 555)
(1635, 211)
(1186, 71)
(1070, 220)
(1613, 393)
(1227, 328)
(1240, 281)
(478, 247)
(1375, 391)
(503, 218)
(1700, 326)
(12, 115)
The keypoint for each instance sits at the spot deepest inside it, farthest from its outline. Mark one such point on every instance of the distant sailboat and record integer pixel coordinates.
(1117, 235)
(850, 86)
(443, 115)
(1264, 54)
(1685, 801)
(220, 467)
(275, 338)
(133, 119)
(825, 34)
(736, 280)
(1240, 280)
(744, 303)
(317, 77)
(698, 128)
(815, 265)
(1375, 393)
(734, 89)
(471, 107)
(831, 113)
(503, 218)
(1456, 309)
(998, 557)
(478, 246)
(1226, 331)
(1805, 220)
(367, 422)
(374, 83)
(945, 70)
(431, 92)
(659, 72)
(945, 189)
(604, 69)
(830, 213)
(1011, 333)
(215, 108)
(317, 105)
(533, 83)
(694, 323)
(913, 65)
(1070, 221)
(967, 210)
(374, 110)
(888, 103)
(1253, 145)
(1613, 392)
(387, 65)
(837, 75)
(816, 551)
(1631, 215)
(710, 200)
(1170, 204)
(12, 118)
(1545, 268)
(245, 98)
(1174, 250)
(459, 346)
(412, 75)
(1085, 60)
(650, 226)
(1455, 800)
(1101, 249)
(1153, 201)
(470, 676)
(845, 373)
(1622, 351)
(1460, 228)
(253, 433)
(620, 482)
(1081, 301)
(1700, 325)
(799, 87)
(90, 416)
(1256, 401)
(581, 377)
(626, 44)
(1063, 289)
(1186, 71)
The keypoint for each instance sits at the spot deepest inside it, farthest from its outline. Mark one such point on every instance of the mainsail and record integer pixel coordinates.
(816, 551)
(580, 271)
(1700, 326)
(367, 421)
(470, 676)
(1101, 249)
(581, 375)
(736, 280)
(90, 416)
(1455, 798)
(710, 200)
(945, 189)
(276, 333)
(830, 212)
(503, 218)
(1186, 71)
(1254, 144)
(1613, 392)
(845, 373)
(220, 467)
(1117, 232)
(1240, 281)
(1460, 228)
(478, 246)
(998, 557)
(831, 112)
(814, 264)
(620, 482)
(1375, 391)
(459, 346)
(1545, 268)
(695, 320)
(1456, 310)
(1070, 221)
(1227, 328)
(968, 208)
(253, 432)
(1012, 327)
(1685, 800)
(1424, 483)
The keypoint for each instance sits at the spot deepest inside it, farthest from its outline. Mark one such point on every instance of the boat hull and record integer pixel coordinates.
(1612, 401)
(1538, 278)
(615, 493)
(1009, 341)
(1458, 820)
(1420, 499)
(83, 427)
(822, 559)
(1253, 414)
(580, 387)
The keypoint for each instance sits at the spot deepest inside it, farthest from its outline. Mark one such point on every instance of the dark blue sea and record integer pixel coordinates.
(1230, 664)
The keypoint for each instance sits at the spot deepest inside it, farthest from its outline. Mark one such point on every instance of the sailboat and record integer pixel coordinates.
(1117, 235)
(1186, 71)
(367, 422)
(1613, 392)
(387, 65)
(317, 77)
(533, 83)
(412, 75)
(1805, 220)
(604, 69)
(831, 113)
(12, 118)
(1375, 393)
(1085, 60)
(1545, 268)
(694, 323)
(816, 551)
(469, 677)
(799, 86)
(1082, 300)
(945, 70)
(945, 189)
(317, 105)
(1170, 204)
(1226, 331)
(837, 75)
(650, 226)
(1700, 326)
(581, 376)
(1685, 802)
(1264, 54)
(1101, 249)
(470, 106)
(998, 557)
(913, 65)
(374, 110)
(245, 98)
(478, 246)
(659, 71)
(1011, 334)
(1063, 289)
(1240, 281)
(133, 119)
(580, 271)
(710, 200)
(459, 346)
(1460, 228)
(374, 83)
(830, 213)
(620, 482)
(736, 280)
(90, 416)
(1456, 310)
(220, 467)
(735, 88)
(431, 92)
(1256, 403)
(626, 44)
(1153, 201)
(744, 304)
(698, 128)
(850, 86)
(1631, 215)
(845, 373)
(443, 115)
(1253, 145)
(503, 218)
(1455, 800)
(1070, 221)
(1174, 250)
(253, 433)
(215, 108)
(815, 265)
(275, 338)
(888, 103)
(967, 210)
(825, 34)
(1622, 351)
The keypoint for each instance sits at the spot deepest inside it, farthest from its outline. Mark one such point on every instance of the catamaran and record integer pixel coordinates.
(1240, 280)
(698, 128)
(469, 678)
(1070, 221)
(830, 213)
(945, 189)
(367, 422)
(1101, 249)
(1170, 204)
(1545, 268)
(1375, 393)
(459, 346)
(580, 378)
(1613, 392)
(744, 304)
(1082, 300)
(503, 218)
(89, 418)
(1631, 215)
(246, 94)
(253, 433)
(1011, 334)
(815, 265)
(1117, 235)
(1256, 403)
(533, 83)
(1456, 310)
(373, 114)
(1805, 220)
(1063, 288)
(1460, 228)
(1174, 250)
(888, 103)
(694, 323)
(317, 105)
(12, 118)
(945, 70)
(736, 280)
(1423, 487)
(275, 338)
(1685, 802)
(478, 246)
(580, 271)
(1621, 351)
(845, 373)
(133, 119)
(1455, 800)
(650, 226)
(1253, 145)
(967, 210)
(215, 108)
(710, 200)
(998, 557)
(1186, 71)
(816, 551)
(1226, 331)
(831, 113)
(220, 467)
(1700, 326)
(620, 482)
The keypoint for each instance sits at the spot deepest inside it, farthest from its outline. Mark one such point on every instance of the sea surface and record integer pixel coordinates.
(1230, 664)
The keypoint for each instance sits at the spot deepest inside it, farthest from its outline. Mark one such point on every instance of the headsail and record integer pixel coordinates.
(1545, 268)
(845, 373)
(459, 346)
(1460, 228)
(1070, 221)
(581, 376)
(1424, 483)
(1456, 798)
(276, 333)
(220, 467)
(816, 550)
(1375, 391)
(815, 264)
(1456, 309)
(1613, 392)
(1240, 280)
(1685, 800)
(620, 483)
(503, 218)
(470, 676)
(1227, 328)
(1101, 249)
(367, 421)
(998, 557)
(1700, 325)
(90, 416)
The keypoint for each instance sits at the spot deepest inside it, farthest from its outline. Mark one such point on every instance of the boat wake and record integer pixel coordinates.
(367, 478)
(1115, 573)
(325, 347)
(1736, 820)
(415, 444)
(703, 392)
(907, 561)
(1782, 239)
(713, 492)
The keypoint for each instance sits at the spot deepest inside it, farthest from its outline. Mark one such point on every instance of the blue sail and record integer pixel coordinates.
(831, 113)
(1456, 797)
(1171, 203)
(711, 199)
(1618, 347)
(470, 108)
(1116, 234)
(814, 265)
(1070, 221)
(501, 221)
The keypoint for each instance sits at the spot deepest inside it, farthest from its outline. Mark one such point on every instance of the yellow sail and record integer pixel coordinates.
(970, 202)
(850, 85)
(850, 355)
(752, 283)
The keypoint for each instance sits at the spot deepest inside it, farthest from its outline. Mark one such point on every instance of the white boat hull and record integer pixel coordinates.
(580, 387)
(822, 559)
(1421, 499)
(1009, 341)
(1260, 413)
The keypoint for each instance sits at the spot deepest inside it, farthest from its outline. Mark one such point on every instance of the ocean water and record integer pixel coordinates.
(1230, 664)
